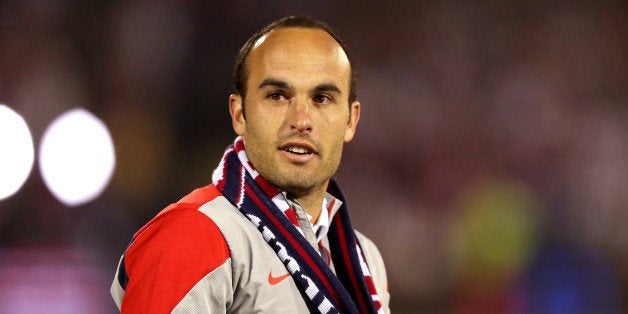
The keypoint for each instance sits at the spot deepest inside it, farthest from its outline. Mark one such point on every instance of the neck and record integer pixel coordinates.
(312, 202)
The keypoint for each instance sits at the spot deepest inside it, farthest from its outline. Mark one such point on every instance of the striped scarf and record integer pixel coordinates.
(352, 290)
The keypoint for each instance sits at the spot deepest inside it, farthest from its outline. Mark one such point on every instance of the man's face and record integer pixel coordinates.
(297, 110)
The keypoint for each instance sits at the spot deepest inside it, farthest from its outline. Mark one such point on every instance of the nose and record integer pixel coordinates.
(300, 119)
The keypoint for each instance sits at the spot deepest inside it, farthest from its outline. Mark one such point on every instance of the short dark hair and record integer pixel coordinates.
(240, 74)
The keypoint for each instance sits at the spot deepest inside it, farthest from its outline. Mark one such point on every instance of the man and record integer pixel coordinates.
(271, 233)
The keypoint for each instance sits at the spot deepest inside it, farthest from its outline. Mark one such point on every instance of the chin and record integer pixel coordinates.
(298, 191)
(297, 187)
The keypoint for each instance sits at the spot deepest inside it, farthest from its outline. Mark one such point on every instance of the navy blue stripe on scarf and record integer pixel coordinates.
(319, 286)
(345, 256)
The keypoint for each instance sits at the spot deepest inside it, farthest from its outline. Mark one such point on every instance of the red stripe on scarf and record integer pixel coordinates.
(268, 188)
(239, 145)
(294, 243)
(371, 287)
(347, 259)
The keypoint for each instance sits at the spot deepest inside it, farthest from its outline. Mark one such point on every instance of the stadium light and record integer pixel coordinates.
(16, 151)
(76, 157)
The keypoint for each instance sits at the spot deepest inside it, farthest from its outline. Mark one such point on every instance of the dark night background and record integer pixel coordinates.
(490, 164)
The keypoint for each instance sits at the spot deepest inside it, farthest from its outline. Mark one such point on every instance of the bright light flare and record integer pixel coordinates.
(16, 151)
(76, 157)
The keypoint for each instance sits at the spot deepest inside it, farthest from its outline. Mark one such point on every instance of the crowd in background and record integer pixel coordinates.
(490, 164)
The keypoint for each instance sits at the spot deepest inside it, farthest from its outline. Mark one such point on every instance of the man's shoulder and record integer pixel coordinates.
(182, 221)
(181, 229)
(204, 215)
(171, 254)
(183, 213)
(193, 200)
(182, 236)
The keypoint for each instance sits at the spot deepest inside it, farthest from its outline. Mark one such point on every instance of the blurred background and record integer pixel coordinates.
(490, 164)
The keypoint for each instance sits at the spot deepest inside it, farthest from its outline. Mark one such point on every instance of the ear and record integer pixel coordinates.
(236, 110)
(354, 117)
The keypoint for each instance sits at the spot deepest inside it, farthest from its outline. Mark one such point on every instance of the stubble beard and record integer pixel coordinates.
(297, 183)
(293, 179)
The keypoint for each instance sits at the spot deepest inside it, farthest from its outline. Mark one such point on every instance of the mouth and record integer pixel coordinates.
(298, 148)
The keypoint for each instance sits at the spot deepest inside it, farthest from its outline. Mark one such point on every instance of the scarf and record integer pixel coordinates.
(350, 291)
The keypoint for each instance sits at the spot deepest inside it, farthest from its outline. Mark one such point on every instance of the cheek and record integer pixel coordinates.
(260, 136)
(266, 120)
(336, 140)
(257, 123)
(339, 127)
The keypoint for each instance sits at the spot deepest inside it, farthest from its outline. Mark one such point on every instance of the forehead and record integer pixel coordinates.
(298, 52)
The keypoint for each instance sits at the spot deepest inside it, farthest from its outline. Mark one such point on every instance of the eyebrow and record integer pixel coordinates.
(274, 83)
(326, 87)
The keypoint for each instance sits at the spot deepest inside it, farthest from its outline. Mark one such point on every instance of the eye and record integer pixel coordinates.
(322, 99)
(276, 96)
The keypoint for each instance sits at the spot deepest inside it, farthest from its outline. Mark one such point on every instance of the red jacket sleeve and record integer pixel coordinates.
(169, 255)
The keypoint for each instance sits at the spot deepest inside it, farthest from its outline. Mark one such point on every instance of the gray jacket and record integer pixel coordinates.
(236, 271)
